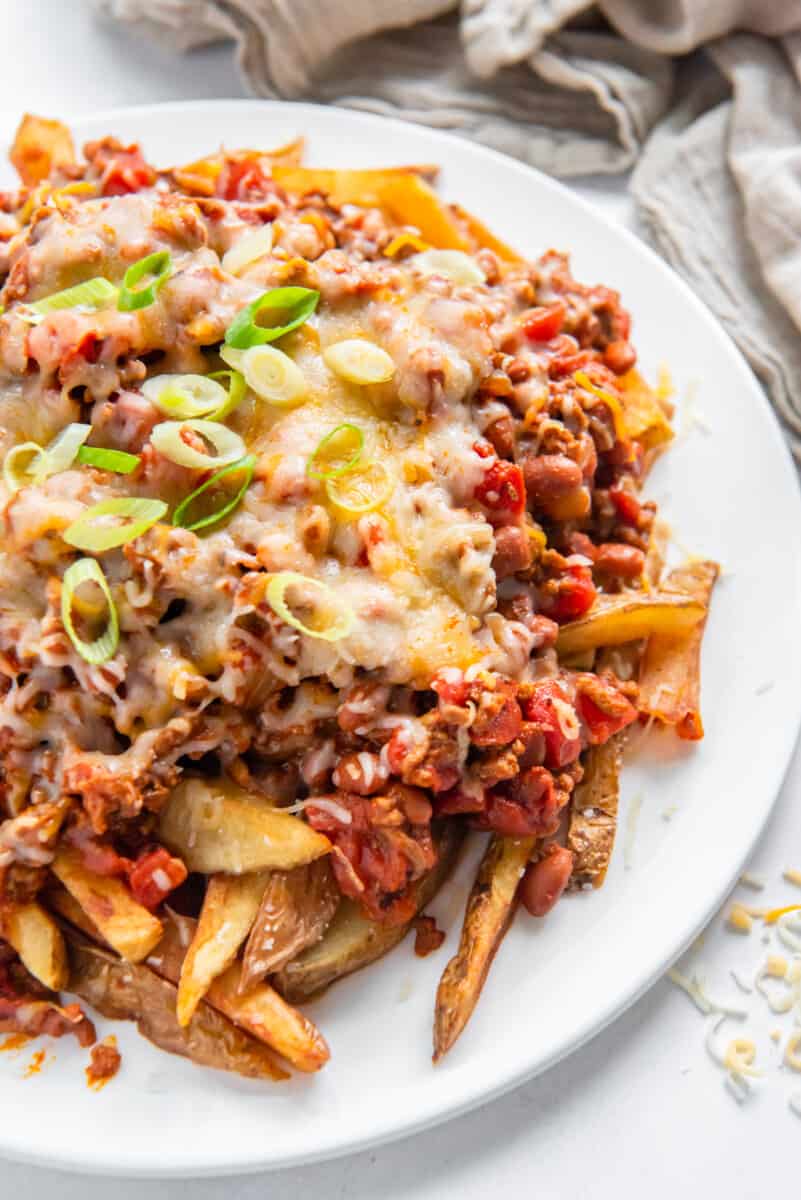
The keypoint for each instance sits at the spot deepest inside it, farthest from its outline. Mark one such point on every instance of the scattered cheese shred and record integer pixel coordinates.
(632, 817)
(773, 914)
(793, 877)
(739, 1056)
(692, 986)
(751, 881)
(775, 967)
(739, 919)
(775, 1035)
(792, 1051)
(736, 1060)
(788, 929)
(744, 987)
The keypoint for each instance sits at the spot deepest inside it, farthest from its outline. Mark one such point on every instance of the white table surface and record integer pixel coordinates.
(642, 1108)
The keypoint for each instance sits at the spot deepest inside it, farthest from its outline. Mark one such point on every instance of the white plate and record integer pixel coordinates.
(731, 492)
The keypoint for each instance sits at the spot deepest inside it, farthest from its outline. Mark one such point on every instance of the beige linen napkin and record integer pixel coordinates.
(702, 97)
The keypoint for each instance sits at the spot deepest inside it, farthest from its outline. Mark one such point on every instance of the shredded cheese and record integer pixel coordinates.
(775, 967)
(793, 877)
(736, 1060)
(744, 987)
(692, 986)
(792, 1051)
(632, 817)
(739, 919)
(751, 881)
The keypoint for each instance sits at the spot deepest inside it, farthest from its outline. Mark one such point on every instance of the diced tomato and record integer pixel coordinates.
(575, 595)
(543, 323)
(154, 875)
(451, 686)
(126, 172)
(503, 492)
(626, 504)
(483, 449)
(527, 805)
(242, 179)
(561, 745)
(601, 724)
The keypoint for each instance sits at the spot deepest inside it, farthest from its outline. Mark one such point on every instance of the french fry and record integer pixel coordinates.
(125, 924)
(644, 417)
(263, 1014)
(670, 675)
(482, 237)
(229, 909)
(490, 908)
(353, 940)
(629, 616)
(216, 827)
(134, 992)
(399, 191)
(200, 178)
(593, 813)
(295, 910)
(40, 146)
(37, 940)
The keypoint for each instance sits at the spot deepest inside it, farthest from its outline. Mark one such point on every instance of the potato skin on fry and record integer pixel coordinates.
(216, 826)
(296, 909)
(353, 940)
(133, 992)
(37, 939)
(40, 146)
(593, 815)
(627, 617)
(489, 913)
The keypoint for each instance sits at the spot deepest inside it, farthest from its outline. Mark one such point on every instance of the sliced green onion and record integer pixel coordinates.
(94, 531)
(118, 461)
(248, 249)
(337, 453)
(332, 618)
(184, 396)
(61, 453)
(94, 293)
(157, 267)
(453, 264)
(359, 361)
(244, 464)
(168, 440)
(288, 307)
(274, 376)
(233, 357)
(20, 464)
(236, 393)
(362, 489)
(87, 570)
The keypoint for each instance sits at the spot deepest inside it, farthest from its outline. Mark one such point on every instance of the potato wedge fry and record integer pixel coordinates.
(296, 909)
(353, 940)
(216, 827)
(229, 909)
(644, 417)
(489, 913)
(399, 191)
(593, 813)
(262, 1013)
(37, 939)
(200, 178)
(670, 675)
(629, 616)
(125, 924)
(134, 992)
(40, 146)
(482, 237)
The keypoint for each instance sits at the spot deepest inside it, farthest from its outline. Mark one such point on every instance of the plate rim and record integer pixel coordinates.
(384, 1131)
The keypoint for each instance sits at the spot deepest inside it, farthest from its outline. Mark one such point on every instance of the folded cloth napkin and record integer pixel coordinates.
(701, 97)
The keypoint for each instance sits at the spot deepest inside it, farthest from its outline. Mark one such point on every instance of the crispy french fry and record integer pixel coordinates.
(644, 417)
(593, 813)
(40, 146)
(353, 940)
(200, 178)
(262, 1013)
(489, 913)
(399, 191)
(628, 616)
(125, 924)
(134, 992)
(215, 826)
(482, 237)
(670, 676)
(295, 910)
(37, 940)
(229, 909)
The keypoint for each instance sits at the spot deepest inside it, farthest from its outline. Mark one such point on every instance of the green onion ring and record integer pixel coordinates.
(91, 533)
(87, 570)
(317, 473)
(298, 303)
(159, 265)
(167, 439)
(16, 476)
(94, 293)
(62, 451)
(276, 595)
(119, 461)
(183, 397)
(245, 464)
(237, 389)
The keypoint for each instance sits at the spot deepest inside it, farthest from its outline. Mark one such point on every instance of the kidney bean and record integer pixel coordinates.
(573, 507)
(502, 435)
(512, 551)
(616, 558)
(549, 477)
(620, 357)
(544, 881)
(363, 773)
